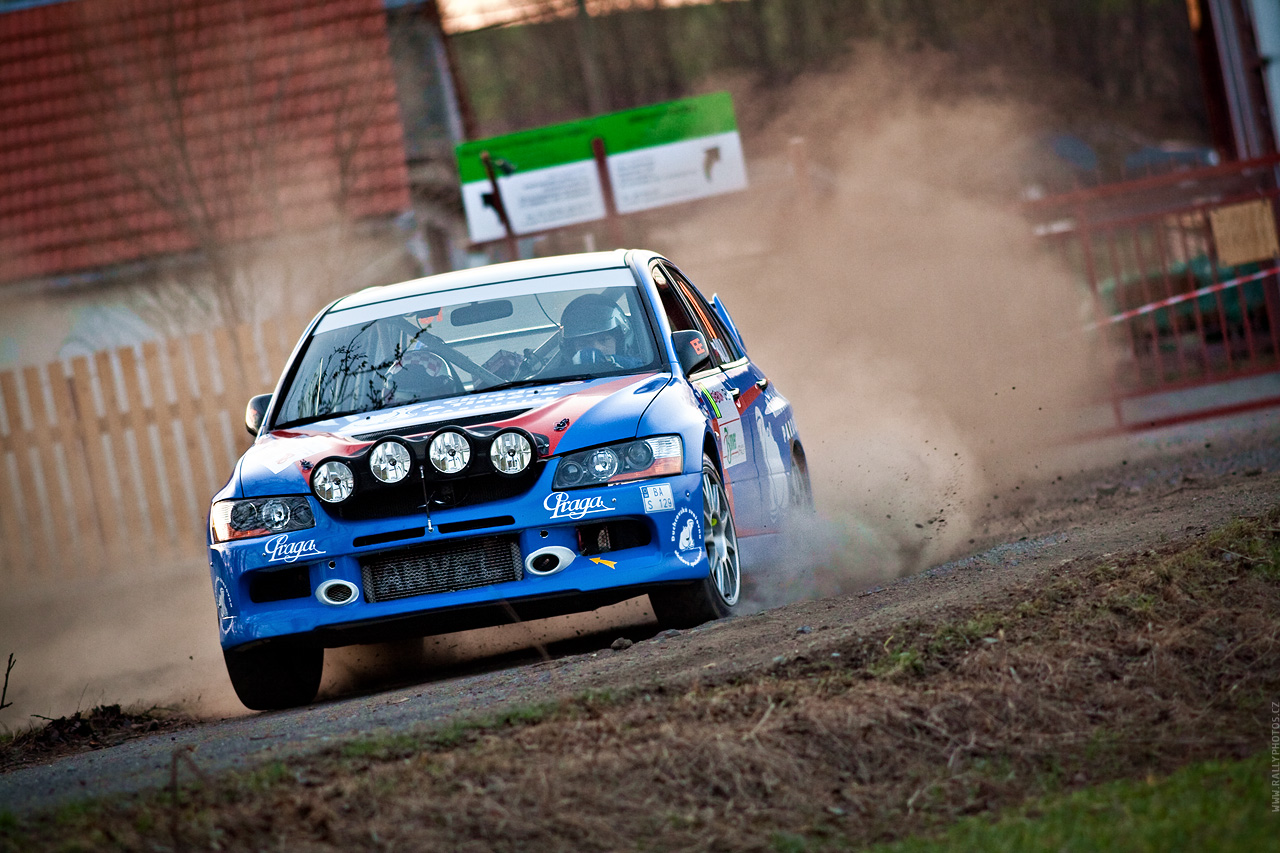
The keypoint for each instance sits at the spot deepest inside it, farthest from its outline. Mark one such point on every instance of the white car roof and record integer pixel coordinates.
(491, 274)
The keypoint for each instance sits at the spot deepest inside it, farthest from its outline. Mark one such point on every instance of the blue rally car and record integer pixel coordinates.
(510, 442)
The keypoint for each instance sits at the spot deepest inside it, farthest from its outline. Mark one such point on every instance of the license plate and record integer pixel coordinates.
(657, 498)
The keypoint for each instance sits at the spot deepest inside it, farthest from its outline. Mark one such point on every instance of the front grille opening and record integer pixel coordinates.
(476, 524)
(389, 536)
(279, 584)
(446, 567)
(614, 535)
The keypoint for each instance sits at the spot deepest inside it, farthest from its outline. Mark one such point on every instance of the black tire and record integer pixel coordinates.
(715, 596)
(799, 488)
(275, 675)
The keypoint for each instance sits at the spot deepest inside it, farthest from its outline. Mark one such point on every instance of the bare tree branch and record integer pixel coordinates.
(239, 134)
(5, 691)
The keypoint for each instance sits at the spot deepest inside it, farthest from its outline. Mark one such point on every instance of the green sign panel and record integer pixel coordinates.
(656, 155)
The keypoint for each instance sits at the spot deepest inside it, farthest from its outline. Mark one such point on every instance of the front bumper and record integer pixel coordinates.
(266, 587)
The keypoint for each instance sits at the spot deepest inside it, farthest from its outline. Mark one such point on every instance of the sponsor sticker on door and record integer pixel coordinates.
(734, 443)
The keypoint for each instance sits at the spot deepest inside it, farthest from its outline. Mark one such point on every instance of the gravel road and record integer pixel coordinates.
(1167, 487)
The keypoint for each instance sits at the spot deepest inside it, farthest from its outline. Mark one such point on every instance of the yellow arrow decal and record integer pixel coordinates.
(610, 563)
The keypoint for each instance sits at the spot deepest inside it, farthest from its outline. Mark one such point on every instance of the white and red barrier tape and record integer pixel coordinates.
(1184, 297)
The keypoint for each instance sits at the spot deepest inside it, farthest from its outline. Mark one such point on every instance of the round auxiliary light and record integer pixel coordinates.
(510, 452)
(602, 464)
(390, 461)
(450, 452)
(275, 514)
(333, 482)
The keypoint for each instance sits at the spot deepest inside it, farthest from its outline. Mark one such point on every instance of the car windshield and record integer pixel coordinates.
(432, 346)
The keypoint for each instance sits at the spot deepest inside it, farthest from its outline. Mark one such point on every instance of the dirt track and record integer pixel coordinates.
(1164, 490)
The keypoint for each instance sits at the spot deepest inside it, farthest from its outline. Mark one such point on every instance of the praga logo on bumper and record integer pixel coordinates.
(280, 550)
(561, 505)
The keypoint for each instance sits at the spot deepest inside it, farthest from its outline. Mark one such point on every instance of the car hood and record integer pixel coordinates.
(570, 415)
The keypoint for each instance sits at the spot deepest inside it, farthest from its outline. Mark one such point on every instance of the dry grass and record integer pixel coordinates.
(101, 727)
(1115, 670)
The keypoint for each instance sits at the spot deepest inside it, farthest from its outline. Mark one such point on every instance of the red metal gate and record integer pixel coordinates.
(1184, 274)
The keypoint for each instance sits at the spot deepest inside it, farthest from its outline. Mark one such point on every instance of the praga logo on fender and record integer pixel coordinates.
(561, 505)
(280, 550)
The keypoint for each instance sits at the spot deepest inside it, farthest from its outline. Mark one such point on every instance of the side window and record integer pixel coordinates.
(717, 336)
(677, 310)
(677, 314)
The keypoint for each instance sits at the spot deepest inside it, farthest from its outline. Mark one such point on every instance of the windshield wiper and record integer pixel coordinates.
(541, 380)
(314, 418)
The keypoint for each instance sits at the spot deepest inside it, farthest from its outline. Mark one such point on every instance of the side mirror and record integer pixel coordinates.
(691, 350)
(256, 412)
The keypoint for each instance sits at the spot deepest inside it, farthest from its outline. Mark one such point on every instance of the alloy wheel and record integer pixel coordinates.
(721, 540)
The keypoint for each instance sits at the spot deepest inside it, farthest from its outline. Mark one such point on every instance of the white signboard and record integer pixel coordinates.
(536, 201)
(677, 172)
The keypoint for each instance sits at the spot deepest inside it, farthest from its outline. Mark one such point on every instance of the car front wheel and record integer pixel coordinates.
(715, 596)
(275, 674)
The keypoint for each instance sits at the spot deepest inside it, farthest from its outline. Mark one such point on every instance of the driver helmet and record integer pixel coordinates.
(418, 374)
(419, 355)
(589, 316)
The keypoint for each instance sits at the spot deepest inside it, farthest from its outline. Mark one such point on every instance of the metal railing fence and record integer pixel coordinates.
(1183, 274)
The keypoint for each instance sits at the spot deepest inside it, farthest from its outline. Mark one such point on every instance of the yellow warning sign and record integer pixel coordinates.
(1245, 232)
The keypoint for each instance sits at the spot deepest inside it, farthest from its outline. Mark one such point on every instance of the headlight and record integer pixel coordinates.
(510, 453)
(333, 481)
(450, 452)
(630, 460)
(390, 461)
(242, 519)
(602, 464)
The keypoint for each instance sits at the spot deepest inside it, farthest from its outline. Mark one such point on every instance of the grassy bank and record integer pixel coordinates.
(1212, 805)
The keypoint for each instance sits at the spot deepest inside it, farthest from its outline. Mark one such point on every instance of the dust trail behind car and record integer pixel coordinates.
(933, 353)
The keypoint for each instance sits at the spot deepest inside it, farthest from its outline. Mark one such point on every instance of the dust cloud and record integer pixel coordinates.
(880, 272)
(145, 637)
(148, 638)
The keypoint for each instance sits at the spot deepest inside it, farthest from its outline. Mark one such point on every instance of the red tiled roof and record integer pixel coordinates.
(130, 128)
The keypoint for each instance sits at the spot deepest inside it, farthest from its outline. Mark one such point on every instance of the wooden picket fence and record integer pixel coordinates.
(109, 461)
